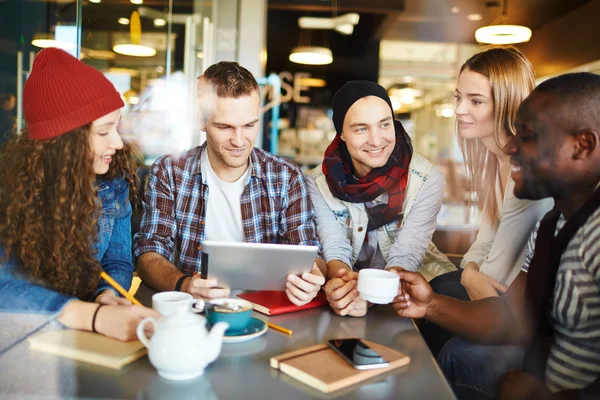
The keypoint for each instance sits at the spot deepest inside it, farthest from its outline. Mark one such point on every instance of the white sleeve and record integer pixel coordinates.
(507, 252)
(482, 244)
(413, 238)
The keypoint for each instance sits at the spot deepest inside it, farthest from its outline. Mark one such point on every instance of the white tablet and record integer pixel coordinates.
(256, 266)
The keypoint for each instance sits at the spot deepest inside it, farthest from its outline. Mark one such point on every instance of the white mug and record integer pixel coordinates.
(377, 285)
(168, 302)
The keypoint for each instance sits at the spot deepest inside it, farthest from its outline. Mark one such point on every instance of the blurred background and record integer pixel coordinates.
(301, 52)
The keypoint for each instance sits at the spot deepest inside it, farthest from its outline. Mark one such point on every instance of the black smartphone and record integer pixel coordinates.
(358, 353)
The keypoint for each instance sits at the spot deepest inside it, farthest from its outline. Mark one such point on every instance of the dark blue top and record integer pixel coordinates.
(113, 250)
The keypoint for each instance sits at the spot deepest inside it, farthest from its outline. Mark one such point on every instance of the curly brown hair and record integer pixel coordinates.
(49, 207)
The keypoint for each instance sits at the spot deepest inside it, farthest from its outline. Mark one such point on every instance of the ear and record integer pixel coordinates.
(586, 142)
(342, 137)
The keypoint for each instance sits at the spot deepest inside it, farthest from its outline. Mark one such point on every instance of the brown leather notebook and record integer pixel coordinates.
(321, 368)
(88, 347)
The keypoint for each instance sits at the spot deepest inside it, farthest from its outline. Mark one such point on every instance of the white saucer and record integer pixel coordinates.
(377, 299)
(255, 329)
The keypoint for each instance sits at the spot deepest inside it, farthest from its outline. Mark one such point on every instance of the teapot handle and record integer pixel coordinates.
(140, 331)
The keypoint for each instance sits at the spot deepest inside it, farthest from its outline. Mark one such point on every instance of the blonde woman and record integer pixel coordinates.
(491, 86)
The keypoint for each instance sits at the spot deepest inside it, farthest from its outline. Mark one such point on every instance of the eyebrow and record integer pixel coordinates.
(471, 94)
(225, 124)
(356, 124)
(109, 123)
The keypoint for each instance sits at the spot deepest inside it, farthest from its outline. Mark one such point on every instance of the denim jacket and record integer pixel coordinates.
(405, 242)
(112, 247)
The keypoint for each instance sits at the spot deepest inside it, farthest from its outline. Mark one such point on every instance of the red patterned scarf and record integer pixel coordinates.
(391, 178)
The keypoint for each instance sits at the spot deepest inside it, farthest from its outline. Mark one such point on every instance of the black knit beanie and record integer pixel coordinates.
(349, 94)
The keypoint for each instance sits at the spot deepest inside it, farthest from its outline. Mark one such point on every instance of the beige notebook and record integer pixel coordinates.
(88, 347)
(320, 367)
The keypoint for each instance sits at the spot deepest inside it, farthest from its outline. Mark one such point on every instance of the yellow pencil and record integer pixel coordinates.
(119, 288)
(279, 328)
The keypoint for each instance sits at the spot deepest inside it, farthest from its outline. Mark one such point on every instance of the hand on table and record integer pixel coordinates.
(110, 298)
(205, 288)
(302, 289)
(518, 385)
(414, 295)
(478, 285)
(121, 322)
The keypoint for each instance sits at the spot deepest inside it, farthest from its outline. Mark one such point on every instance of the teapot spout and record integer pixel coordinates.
(215, 340)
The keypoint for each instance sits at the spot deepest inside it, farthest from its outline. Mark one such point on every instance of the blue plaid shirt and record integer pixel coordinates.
(275, 204)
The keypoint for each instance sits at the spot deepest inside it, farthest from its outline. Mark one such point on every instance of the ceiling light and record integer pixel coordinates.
(445, 110)
(503, 33)
(311, 55)
(95, 1)
(134, 50)
(396, 104)
(345, 29)
(137, 1)
(407, 99)
(343, 24)
(454, 10)
(405, 92)
(474, 17)
(124, 21)
(408, 78)
(44, 40)
(159, 22)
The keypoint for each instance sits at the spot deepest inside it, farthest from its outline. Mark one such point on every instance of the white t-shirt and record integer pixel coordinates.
(223, 210)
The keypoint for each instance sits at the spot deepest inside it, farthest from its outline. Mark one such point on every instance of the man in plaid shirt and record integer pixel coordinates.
(254, 196)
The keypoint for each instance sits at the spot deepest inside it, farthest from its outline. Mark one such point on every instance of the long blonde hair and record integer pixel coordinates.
(512, 78)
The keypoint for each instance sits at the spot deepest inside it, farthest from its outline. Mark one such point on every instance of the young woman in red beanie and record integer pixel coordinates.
(65, 190)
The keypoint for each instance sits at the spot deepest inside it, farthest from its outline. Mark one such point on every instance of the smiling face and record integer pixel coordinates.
(105, 141)
(369, 134)
(474, 106)
(230, 134)
(541, 155)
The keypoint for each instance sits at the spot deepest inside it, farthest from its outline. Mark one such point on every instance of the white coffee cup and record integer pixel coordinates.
(168, 302)
(377, 285)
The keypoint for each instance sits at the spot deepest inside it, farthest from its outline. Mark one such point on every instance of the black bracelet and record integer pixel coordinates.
(94, 317)
(180, 282)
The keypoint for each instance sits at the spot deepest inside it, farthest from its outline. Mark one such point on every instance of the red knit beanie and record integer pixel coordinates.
(63, 94)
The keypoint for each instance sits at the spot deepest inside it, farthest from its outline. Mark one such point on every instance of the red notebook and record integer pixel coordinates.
(273, 302)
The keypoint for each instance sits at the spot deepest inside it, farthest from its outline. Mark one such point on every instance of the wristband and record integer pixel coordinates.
(94, 317)
(180, 282)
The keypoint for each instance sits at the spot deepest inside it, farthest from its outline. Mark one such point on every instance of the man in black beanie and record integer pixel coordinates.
(375, 200)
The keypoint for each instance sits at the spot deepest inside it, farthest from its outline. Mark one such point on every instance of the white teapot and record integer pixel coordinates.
(181, 346)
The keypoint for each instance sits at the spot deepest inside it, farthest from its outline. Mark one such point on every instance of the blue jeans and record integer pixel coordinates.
(473, 370)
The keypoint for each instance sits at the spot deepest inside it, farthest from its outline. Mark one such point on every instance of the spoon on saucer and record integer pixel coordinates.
(205, 305)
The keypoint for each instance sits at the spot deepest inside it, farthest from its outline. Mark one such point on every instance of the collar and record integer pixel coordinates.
(256, 158)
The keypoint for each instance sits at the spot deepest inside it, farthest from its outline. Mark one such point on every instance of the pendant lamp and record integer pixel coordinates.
(503, 33)
(134, 49)
(311, 55)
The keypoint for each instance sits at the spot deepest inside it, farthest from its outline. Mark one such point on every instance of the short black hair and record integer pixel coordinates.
(581, 90)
